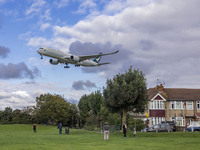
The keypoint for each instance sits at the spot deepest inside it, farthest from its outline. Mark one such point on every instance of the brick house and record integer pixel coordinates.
(173, 104)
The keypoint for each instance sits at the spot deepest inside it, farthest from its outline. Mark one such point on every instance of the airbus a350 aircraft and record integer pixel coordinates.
(66, 59)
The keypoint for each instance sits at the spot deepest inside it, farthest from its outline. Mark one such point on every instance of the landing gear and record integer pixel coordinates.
(77, 65)
(41, 56)
(66, 65)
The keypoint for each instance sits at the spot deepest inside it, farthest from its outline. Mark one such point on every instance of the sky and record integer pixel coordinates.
(159, 37)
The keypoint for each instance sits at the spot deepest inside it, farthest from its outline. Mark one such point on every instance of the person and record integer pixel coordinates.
(134, 132)
(124, 129)
(60, 128)
(106, 131)
(34, 128)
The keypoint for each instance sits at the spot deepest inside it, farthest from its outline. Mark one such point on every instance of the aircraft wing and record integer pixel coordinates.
(103, 64)
(94, 56)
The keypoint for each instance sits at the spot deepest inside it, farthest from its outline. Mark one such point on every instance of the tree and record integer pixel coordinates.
(7, 115)
(52, 109)
(84, 109)
(74, 115)
(17, 116)
(126, 92)
(90, 106)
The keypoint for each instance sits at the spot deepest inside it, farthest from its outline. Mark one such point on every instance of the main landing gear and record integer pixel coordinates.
(66, 65)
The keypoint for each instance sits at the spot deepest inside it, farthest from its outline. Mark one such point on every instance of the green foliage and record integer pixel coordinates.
(90, 106)
(114, 119)
(52, 109)
(126, 92)
(135, 123)
(84, 109)
(24, 116)
(74, 116)
(91, 123)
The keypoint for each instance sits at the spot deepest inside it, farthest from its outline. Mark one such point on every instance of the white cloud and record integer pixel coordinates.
(45, 26)
(9, 97)
(21, 93)
(35, 7)
(61, 3)
(155, 36)
(86, 5)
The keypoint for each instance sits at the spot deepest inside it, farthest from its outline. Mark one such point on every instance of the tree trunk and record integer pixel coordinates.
(124, 116)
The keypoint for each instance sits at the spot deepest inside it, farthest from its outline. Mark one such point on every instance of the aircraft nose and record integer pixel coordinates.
(39, 50)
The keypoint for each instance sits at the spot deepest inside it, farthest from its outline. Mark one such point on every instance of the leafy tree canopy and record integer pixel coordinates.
(126, 92)
(52, 109)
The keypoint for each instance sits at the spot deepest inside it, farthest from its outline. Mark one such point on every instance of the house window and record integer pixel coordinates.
(176, 105)
(189, 105)
(180, 121)
(157, 105)
(198, 105)
(157, 120)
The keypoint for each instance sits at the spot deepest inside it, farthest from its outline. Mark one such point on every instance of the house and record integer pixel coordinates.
(173, 104)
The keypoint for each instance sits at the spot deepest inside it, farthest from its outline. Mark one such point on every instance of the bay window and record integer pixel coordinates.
(157, 104)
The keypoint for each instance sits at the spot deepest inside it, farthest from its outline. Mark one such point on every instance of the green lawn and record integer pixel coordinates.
(21, 137)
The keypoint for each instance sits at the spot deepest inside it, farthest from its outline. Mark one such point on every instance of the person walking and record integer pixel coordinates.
(60, 128)
(106, 131)
(134, 132)
(34, 128)
(124, 129)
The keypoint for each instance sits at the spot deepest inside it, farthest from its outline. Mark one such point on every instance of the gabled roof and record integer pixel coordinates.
(176, 93)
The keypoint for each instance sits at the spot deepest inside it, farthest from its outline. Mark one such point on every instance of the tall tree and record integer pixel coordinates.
(90, 106)
(84, 108)
(74, 116)
(126, 92)
(7, 115)
(52, 109)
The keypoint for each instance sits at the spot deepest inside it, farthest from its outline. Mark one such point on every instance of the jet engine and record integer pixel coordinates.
(74, 58)
(53, 62)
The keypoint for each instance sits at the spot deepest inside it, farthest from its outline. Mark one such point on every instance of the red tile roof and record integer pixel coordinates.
(176, 93)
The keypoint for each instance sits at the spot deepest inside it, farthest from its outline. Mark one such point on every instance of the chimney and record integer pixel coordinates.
(160, 88)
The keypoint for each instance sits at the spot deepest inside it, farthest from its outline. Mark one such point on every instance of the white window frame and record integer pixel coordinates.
(175, 104)
(198, 105)
(157, 120)
(189, 105)
(179, 121)
(157, 105)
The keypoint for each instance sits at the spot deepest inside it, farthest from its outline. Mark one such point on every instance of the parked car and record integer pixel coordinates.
(172, 125)
(160, 128)
(193, 128)
(144, 130)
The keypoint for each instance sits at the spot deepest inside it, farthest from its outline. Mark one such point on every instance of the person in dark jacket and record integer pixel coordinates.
(124, 129)
(34, 128)
(60, 128)
(106, 131)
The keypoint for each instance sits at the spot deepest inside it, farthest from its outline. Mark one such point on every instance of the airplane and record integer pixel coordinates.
(66, 58)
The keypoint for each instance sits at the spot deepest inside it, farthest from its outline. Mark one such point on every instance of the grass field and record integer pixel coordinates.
(21, 137)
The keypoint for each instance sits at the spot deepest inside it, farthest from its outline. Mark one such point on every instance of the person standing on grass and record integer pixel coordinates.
(34, 128)
(134, 132)
(106, 131)
(60, 128)
(124, 129)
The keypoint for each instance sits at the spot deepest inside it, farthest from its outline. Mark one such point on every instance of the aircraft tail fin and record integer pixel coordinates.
(97, 59)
